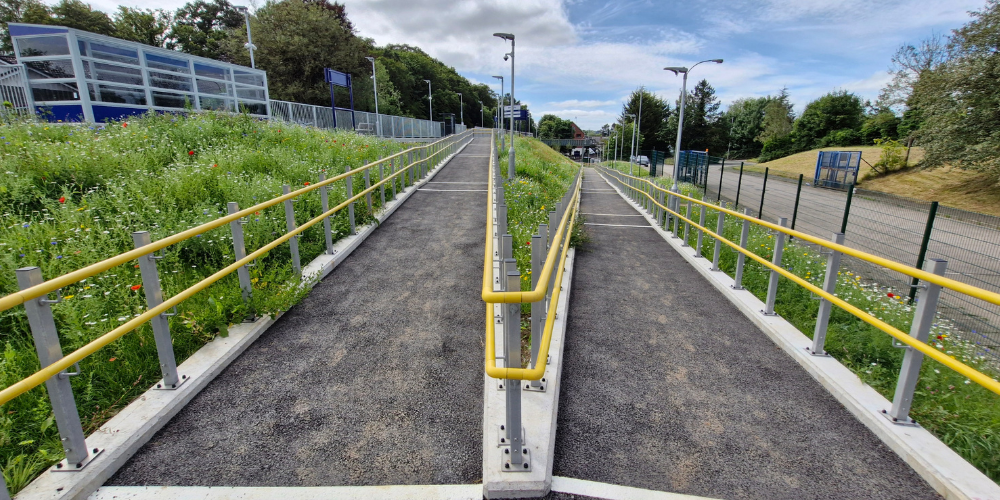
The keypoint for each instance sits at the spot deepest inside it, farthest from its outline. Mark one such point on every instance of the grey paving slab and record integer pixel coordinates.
(667, 386)
(374, 379)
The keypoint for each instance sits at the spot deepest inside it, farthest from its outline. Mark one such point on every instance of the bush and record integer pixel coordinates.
(778, 147)
(893, 156)
(840, 138)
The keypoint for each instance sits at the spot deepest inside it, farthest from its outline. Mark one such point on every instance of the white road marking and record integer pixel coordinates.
(614, 225)
(613, 491)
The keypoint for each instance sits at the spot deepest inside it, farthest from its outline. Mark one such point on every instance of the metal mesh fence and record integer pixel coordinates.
(362, 121)
(889, 226)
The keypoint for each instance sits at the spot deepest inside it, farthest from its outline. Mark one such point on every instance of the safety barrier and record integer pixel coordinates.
(401, 169)
(503, 296)
(663, 205)
(362, 122)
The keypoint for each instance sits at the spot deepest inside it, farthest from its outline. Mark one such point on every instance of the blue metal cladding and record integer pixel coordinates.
(20, 30)
(111, 113)
(61, 112)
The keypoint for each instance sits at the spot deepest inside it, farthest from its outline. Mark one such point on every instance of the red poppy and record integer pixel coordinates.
(136, 287)
(190, 153)
(940, 337)
(62, 199)
(124, 124)
(215, 165)
(890, 295)
(307, 183)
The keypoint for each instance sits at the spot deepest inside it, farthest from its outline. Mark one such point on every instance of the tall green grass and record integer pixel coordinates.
(71, 195)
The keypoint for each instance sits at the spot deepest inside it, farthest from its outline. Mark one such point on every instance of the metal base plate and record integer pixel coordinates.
(65, 466)
(539, 388)
(502, 436)
(506, 466)
(908, 423)
(161, 387)
(824, 354)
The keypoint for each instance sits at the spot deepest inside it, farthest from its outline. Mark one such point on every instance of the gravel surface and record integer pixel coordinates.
(667, 386)
(374, 379)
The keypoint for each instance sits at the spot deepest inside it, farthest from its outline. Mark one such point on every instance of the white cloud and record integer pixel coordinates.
(582, 104)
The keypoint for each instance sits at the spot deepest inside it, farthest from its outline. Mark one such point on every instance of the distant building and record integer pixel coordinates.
(75, 75)
(577, 133)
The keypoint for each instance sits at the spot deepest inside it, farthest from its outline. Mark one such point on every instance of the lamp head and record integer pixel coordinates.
(370, 59)
(428, 81)
(505, 36)
(505, 56)
(459, 93)
(716, 61)
(676, 69)
(242, 9)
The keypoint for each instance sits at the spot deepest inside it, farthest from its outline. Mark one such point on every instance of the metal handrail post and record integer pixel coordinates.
(829, 286)
(392, 172)
(240, 251)
(537, 308)
(772, 282)
(687, 216)
(381, 177)
(43, 331)
(349, 188)
(719, 225)
(741, 258)
(701, 234)
(293, 242)
(161, 323)
(368, 195)
(324, 199)
(920, 329)
(677, 220)
(512, 359)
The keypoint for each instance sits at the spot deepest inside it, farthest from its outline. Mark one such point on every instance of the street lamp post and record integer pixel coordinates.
(510, 155)
(378, 119)
(249, 45)
(430, 97)
(482, 115)
(500, 110)
(461, 109)
(680, 119)
(631, 155)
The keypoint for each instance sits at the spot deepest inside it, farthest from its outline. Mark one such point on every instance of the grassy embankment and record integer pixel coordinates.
(73, 194)
(965, 416)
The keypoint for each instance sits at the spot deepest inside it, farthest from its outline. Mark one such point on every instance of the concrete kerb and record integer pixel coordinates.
(608, 491)
(131, 428)
(538, 412)
(440, 492)
(947, 472)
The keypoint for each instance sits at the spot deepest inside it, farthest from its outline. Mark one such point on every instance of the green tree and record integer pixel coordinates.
(651, 120)
(553, 127)
(142, 25)
(778, 118)
(959, 101)
(832, 120)
(79, 15)
(745, 118)
(704, 127)
(201, 27)
(14, 11)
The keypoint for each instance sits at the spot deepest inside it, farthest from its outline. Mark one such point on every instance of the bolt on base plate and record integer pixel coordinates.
(909, 422)
(65, 466)
(160, 385)
(502, 436)
(506, 466)
(539, 388)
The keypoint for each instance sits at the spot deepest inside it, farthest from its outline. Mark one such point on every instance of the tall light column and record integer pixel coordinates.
(510, 155)
(430, 98)
(680, 119)
(500, 111)
(482, 115)
(378, 119)
(249, 45)
(461, 109)
(631, 155)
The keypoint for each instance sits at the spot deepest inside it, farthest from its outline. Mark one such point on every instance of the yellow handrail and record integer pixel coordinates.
(950, 362)
(563, 234)
(20, 297)
(76, 356)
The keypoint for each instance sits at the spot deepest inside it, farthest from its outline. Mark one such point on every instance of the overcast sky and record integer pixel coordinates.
(579, 59)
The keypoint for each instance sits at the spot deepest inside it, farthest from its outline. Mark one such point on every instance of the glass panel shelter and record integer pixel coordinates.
(75, 75)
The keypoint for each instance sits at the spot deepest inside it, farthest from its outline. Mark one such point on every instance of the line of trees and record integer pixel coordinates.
(295, 40)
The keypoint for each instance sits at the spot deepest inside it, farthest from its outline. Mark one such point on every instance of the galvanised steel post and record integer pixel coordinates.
(502, 219)
(349, 188)
(240, 251)
(847, 208)
(161, 323)
(677, 219)
(928, 227)
(553, 225)
(740, 257)
(719, 226)
(324, 199)
(515, 450)
(701, 233)
(293, 242)
(368, 195)
(659, 211)
(409, 165)
(687, 216)
(537, 308)
(920, 330)
(381, 177)
(43, 331)
(739, 185)
(825, 306)
(4, 494)
(763, 191)
(772, 283)
(392, 172)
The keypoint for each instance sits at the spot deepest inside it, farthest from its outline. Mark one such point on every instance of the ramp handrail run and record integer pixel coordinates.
(559, 248)
(430, 152)
(629, 183)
